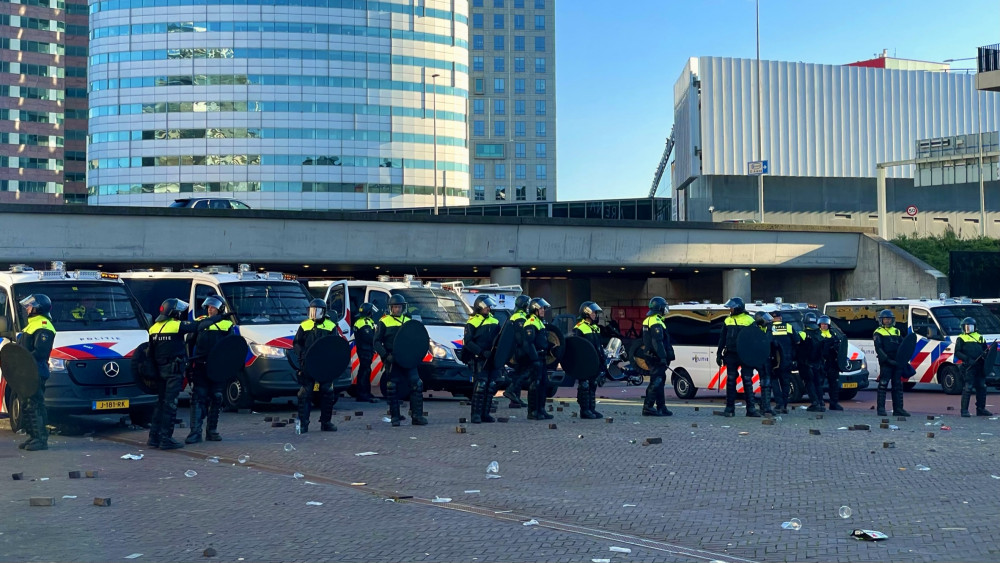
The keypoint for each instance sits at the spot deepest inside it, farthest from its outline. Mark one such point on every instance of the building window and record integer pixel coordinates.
(518, 85)
(498, 43)
(520, 193)
(520, 172)
(479, 128)
(498, 3)
(479, 85)
(498, 85)
(539, 128)
(539, 107)
(479, 171)
(500, 128)
(540, 193)
(477, 3)
(519, 21)
(478, 106)
(479, 193)
(499, 107)
(498, 21)
(540, 65)
(500, 194)
(499, 171)
(518, 64)
(518, 42)
(518, 3)
(477, 64)
(539, 85)
(539, 4)
(541, 172)
(479, 43)
(519, 129)
(477, 21)
(540, 44)
(539, 22)
(541, 150)
(498, 64)
(518, 107)
(491, 150)
(519, 151)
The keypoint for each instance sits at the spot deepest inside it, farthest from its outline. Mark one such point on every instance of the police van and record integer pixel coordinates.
(695, 329)
(442, 312)
(98, 325)
(269, 306)
(936, 322)
(503, 294)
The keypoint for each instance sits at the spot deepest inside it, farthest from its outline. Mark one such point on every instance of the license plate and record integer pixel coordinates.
(849, 386)
(316, 388)
(110, 405)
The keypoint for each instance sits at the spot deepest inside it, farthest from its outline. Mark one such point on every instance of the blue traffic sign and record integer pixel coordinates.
(757, 167)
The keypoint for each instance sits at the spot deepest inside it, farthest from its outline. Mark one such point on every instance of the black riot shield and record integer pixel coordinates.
(580, 360)
(556, 339)
(904, 354)
(227, 359)
(992, 369)
(640, 356)
(843, 362)
(144, 370)
(19, 369)
(504, 346)
(327, 358)
(753, 346)
(411, 344)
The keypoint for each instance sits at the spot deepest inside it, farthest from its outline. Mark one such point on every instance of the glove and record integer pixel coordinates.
(486, 355)
(228, 315)
(718, 360)
(388, 359)
(893, 363)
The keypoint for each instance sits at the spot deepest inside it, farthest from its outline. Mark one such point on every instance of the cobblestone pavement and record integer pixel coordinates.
(721, 485)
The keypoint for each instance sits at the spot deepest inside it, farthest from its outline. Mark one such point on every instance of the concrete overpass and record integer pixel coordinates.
(596, 258)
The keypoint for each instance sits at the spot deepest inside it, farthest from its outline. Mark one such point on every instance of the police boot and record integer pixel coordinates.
(880, 402)
(197, 418)
(765, 399)
(394, 415)
(752, 411)
(981, 402)
(417, 408)
(583, 399)
(167, 441)
(327, 400)
(965, 404)
(532, 403)
(593, 402)
(488, 406)
(983, 412)
(835, 402)
(477, 406)
(649, 402)
(304, 408)
(897, 403)
(214, 408)
(514, 398)
(27, 426)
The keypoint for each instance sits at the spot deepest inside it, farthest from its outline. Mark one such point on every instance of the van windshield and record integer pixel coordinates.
(263, 302)
(950, 318)
(85, 305)
(434, 306)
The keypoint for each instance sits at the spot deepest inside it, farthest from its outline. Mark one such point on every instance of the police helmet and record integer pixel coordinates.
(809, 320)
(368, 310)
(968, 325)
(657, 306)
(776, 314)
(317, 309)
(397, 299)
(484, 304)
(521, 303)
(737, 305)
(763, 317)
(214, 301)
(590, 310)
(39, 302)
(824, 320)
(172, 309)
(886, 314)
(537, 306)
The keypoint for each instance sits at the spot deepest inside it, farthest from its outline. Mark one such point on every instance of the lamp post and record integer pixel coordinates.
(979, 134)
(760, 116)
(435, 121)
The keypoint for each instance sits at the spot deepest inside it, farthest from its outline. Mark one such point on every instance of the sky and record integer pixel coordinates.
(616, 67)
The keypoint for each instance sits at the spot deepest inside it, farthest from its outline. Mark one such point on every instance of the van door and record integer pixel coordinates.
(337, 298)
(380, 299)
(924, 325)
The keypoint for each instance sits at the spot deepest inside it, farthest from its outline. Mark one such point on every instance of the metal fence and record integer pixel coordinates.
(989, 58)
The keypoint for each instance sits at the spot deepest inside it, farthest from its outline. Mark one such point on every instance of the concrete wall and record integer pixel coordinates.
(884, 270)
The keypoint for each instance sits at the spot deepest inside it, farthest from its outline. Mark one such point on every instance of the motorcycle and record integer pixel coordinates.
(618, 365)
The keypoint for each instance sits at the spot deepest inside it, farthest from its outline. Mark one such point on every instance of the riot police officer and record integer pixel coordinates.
(37, 337)
(167, 349)
(480, 333)
(522, 369)
(385, 336)
(586, 327)
(808, 354)
(828, 366)
(727, 354)
(537, 346)
(659, 354)
(783, 342)
(887, 340)
(317, 326)
(364, 342)
(971, 349)
(763, 320)
(206, 395)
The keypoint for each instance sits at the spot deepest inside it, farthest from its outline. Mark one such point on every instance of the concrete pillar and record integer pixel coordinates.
(577, 291)
(736, 283)
(505, 276)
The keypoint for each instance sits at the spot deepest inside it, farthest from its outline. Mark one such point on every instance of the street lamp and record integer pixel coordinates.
(760, 118)
(434, 118)
(979, 134)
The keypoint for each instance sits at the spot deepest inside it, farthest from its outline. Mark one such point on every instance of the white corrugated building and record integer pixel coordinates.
(824, 129)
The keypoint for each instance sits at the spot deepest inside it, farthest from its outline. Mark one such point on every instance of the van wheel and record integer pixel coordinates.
(683, 386)
(847, 395)
(795, 388)
(950, 379)
(237, 395)
(15, 409)
(909, 385)
(141, 416)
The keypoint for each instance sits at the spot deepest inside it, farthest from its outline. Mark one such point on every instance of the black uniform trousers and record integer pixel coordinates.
(780, 378)
(363, 383)
(975, 379)
(400, 379)
(34, 417)
(168, 388)
(206, 397)
(734, 370)
(327, 398)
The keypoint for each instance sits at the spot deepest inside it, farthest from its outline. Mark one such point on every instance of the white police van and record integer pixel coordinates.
(936, 322)
(269, 306)
(98, 325)
(695, 328)
(505, 295)
(442, 312)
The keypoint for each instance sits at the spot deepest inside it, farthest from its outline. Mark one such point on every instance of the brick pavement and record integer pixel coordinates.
(705, 487)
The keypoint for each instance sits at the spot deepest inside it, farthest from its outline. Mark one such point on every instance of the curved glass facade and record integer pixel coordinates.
(284, 104)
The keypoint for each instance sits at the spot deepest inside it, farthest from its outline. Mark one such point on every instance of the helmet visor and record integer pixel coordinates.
(182, 306)
(317, 313)
(29, 301)
(213, 301)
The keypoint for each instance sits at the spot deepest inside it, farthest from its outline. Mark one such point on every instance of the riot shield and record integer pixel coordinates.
(144, 370)
(753, 346)
(842, 360)
(556, 339)
(580, 360)
(504, 346)
(19, 369)
(640, 357)
(411, 344)
(327, 358)
(991, 369)
(227, 358)
(907, 348)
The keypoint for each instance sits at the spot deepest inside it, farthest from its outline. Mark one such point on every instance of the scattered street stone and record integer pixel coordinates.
(102, 501)
(930, 434)
(463, 420)
(17, 476)
(813, 432)
(649, 441)
(277, 425)
(765, 422)
(502, 419)
(359, 413)
(609, 420)
(888, 445)
(861, 427)
(210, 552)
(552, 426)
(884, 426)
(347, 417)
(41, 501)
(460, 429)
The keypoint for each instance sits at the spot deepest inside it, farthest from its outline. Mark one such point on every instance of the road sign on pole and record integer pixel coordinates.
(757, 167)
